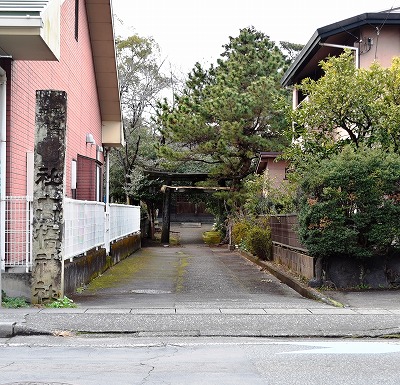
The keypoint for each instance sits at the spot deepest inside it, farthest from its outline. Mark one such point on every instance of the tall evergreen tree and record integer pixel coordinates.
(229, 113)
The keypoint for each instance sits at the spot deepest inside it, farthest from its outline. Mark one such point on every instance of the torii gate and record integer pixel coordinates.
(167, 188)
(167, 204)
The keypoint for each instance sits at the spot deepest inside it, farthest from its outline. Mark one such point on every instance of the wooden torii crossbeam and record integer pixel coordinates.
(183, 189)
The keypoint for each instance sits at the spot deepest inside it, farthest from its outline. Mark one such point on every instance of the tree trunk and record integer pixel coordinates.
(152, 217)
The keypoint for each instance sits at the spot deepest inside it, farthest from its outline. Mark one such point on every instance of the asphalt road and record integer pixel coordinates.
(181, 361)
(184, 315)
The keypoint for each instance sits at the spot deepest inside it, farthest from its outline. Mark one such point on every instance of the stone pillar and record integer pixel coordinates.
(48, 194)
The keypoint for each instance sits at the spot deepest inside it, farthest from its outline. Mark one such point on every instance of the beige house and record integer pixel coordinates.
(372, 37)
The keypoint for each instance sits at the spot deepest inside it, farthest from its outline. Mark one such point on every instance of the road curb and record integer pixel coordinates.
(10, 328)
(7, 329)
(290, 281)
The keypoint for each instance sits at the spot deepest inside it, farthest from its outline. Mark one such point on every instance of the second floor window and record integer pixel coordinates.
(76, 19)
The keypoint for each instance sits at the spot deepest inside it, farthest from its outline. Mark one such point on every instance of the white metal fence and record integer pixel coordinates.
(17, 232)
(85, 227)
(123, 220)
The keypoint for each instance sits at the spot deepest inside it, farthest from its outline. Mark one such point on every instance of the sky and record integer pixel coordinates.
(188, 31)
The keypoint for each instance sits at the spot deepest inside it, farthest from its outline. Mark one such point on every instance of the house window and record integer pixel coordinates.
(76, 19)
(88, 179)
(30, 172)
(98, 183)
(73, 178)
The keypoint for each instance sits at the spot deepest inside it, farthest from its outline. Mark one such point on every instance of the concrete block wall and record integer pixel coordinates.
(17, 284)
(287, 249)
(82, 270)
(78, 272)
(297, 262)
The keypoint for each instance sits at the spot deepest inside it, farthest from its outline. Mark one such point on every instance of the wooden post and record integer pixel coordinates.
(166, 221)
(48, 195)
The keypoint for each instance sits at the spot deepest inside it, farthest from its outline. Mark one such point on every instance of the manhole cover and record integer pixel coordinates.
(150, 291)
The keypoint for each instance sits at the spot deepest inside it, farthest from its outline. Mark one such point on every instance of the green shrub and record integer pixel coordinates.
(258, 242)
(239, 232)
(350, 204)
(253, 236)
(12, 302)
(212, 237)
(63, 302)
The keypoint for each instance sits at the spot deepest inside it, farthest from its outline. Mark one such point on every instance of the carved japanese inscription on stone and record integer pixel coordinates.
(48, 264)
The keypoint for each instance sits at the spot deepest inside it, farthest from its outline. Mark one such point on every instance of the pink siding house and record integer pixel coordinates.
(63, 45)
(82, 63)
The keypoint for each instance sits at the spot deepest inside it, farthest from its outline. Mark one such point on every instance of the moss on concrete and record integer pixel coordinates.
(121, 272)
(181, 271)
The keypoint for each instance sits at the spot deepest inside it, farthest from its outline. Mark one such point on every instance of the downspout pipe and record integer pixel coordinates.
(3, 137)
(355, 49)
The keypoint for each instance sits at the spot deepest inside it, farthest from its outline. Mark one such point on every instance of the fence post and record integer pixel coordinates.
(107, 235)
(29, 221)
(107, 229)
(48, 194)
(3, 170)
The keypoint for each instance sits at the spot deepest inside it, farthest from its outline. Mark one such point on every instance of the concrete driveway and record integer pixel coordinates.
(192, 275)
